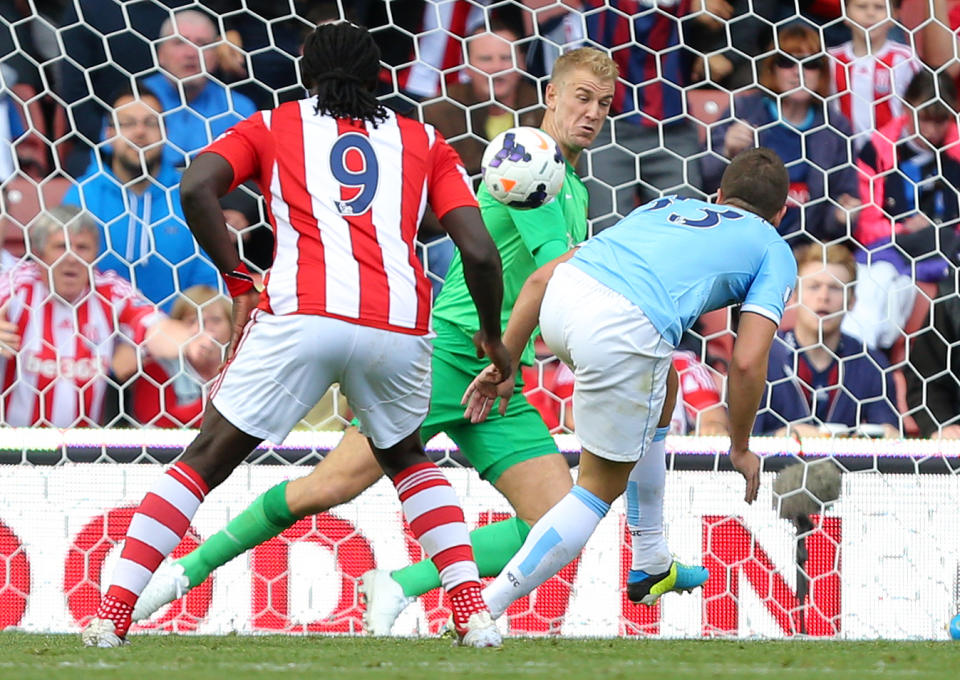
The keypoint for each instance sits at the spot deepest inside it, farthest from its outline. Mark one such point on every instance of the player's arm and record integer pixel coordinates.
(230, 160)
(483, 275)
(208, 178)
(745, 380)
(489, 385)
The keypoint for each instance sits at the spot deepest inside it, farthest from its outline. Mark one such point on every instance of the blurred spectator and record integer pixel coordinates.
(558, 27)
(11, 124)
(732, 35)
(821, 380)
(791, 117)
(60, 321)
(107, 45)
(135, 198)
(933, 385)
(940, 38)
(699, 409)
(494, 95)
(648, 130)
(241, 212)
(172, 392)
(870, 73)
(196, 109)
(909, 175)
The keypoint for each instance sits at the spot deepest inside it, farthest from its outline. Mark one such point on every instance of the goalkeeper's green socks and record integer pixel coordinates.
(493, 546)
(266, 517)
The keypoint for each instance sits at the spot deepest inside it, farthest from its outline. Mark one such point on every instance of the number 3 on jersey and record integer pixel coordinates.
(711, 217)
(353, 164)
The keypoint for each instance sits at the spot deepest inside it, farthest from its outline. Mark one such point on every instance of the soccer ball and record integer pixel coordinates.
(523, 167)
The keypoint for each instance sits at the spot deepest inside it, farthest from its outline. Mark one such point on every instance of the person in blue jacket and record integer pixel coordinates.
(133, 193)
(196, 108)
(818, 377)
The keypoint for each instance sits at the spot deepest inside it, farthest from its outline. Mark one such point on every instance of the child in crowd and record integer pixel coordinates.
(869, 73)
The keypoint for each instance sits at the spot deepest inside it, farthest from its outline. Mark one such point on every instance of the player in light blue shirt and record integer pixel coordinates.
(614, 310)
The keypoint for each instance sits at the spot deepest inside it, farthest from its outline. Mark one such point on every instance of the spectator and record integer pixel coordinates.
(791, 117)
(818, 377)
(909, 174)
(135, 198)
(172, 392)
(648, 125)
(730, 48)
(241, 212)
(940, 38)
(196, 109)
(699, 407)
(60, 320)
(493, 96)
(870, 73)
(933, 389)
(106, 45)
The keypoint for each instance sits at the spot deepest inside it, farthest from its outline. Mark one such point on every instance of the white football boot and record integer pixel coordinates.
(169, 583)
(101, 633)
(481, 631)
(384, 599)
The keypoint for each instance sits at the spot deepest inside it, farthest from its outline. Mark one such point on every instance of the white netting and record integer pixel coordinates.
(874, 164)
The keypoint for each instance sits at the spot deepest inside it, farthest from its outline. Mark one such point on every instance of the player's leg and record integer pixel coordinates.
(162, 519)
(561, 533)
(653, 570)
(341, 476)
(620, 367)
(514, 452)
(245, 410)
(387, 384)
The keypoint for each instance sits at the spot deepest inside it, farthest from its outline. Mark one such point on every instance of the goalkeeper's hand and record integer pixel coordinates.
(747, 463)
(484, 391)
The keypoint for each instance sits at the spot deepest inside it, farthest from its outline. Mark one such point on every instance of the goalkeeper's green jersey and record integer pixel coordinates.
(526, 240)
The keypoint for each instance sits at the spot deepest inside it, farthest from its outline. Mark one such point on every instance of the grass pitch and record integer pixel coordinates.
(35, 657)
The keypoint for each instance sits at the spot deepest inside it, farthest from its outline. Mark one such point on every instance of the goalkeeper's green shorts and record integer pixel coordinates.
(495, 444)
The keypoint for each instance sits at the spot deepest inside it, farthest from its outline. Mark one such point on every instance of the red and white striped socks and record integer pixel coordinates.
(436, 520)
(155, 531)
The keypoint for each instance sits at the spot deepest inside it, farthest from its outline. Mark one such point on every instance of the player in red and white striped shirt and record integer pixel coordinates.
(870, 73)
(56, 345)
(346, 184)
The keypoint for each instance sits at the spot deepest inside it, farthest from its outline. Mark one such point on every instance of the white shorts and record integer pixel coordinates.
(285, 364)
(620, 363)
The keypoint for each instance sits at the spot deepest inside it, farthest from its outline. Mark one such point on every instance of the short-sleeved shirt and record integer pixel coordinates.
(526, 240)
(345, 199)
(676, 258)
(59, 376)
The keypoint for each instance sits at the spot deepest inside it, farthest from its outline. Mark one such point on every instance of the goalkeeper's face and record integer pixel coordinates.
(824, 294)
(579, 105)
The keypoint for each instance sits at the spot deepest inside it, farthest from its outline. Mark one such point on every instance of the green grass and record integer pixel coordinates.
(28, 657)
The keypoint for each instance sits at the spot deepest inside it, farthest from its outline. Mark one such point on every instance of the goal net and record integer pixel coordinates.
(849, 538)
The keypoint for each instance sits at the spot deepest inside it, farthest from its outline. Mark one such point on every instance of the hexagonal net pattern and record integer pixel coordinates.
(114, 322)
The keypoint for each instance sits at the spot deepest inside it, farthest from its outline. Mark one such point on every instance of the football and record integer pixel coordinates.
(523, 167)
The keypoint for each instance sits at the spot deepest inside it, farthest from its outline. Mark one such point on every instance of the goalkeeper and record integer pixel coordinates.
(514, 452)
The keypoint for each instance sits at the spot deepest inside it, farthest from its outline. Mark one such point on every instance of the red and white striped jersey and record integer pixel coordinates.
(345, 200)
(698, 392)
(870, 88)
(58, 377)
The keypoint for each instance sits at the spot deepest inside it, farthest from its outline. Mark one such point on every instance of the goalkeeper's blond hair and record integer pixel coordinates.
(596, 61)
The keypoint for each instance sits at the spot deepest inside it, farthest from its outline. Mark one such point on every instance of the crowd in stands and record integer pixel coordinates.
(103, 288)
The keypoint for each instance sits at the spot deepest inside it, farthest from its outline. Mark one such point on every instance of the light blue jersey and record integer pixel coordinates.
(676, 258)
